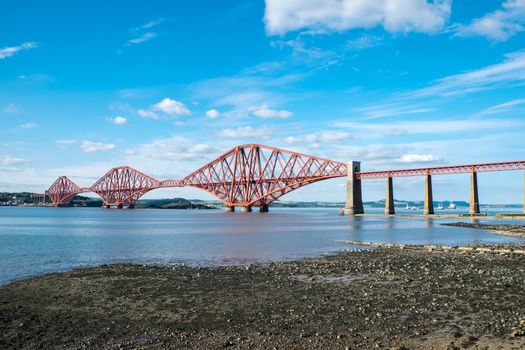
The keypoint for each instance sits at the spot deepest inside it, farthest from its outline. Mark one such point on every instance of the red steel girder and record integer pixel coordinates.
(443, 170)
(123, 186)
(256, 175)
(62, 191)
(247, 175)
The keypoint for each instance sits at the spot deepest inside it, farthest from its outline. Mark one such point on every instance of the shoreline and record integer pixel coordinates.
(383, 298)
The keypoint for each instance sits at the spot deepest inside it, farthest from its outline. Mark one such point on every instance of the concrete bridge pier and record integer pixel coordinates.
(389, 202)
(354, 196)
(474, 198)
(263, 208)
(229, 209)
(246, 209)
(428, 207)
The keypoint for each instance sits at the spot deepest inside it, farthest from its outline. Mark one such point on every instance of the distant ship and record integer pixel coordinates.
(410, 208)
(440, 207)
(451, 205)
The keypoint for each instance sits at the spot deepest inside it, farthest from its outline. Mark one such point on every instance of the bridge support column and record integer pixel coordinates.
(354, 196)
(474, 198)
(229, 209)
(389, 202)
(524, 197)
(429, 200)
(263, 208)
(120, 206)
(107, 206)
(246, 209)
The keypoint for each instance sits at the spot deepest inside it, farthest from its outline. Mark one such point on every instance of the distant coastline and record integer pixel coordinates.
(26, 199)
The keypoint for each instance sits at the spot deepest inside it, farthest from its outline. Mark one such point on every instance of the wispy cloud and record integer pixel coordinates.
(510, 71)
(364, 41)
(506, 107)
(426, 127)
(64, 143)
(11, 108)
(93, 147)
(28, 126)
(144, 32)
(498, 25)
(142, 38)
(390, 110)
(266, 112)
(247, 132)
(10, 51)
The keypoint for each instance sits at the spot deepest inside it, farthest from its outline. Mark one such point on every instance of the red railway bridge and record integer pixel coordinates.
(256, 175)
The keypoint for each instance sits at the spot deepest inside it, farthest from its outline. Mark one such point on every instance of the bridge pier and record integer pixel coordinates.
(389, 202)
(246, 209)
(474, 198)
(263, 208)
(428, 207)
(354, 196)
(524, 194)
(229, 209)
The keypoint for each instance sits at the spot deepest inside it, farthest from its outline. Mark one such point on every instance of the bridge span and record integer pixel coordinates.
(255, 175)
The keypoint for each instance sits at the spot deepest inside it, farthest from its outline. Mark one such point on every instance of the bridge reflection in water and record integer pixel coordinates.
(256, 175)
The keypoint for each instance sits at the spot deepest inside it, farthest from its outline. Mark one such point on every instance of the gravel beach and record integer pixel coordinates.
(382, 298)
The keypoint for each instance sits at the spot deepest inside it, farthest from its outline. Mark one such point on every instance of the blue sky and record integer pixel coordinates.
(167, 86)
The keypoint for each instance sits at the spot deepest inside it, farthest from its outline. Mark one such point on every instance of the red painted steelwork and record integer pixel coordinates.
(62, 191)
(247, 175)
(256, 175)
(444, 170)
(123, 186)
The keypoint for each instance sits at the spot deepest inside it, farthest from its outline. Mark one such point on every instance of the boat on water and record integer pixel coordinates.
(451, 205)
(440, 207)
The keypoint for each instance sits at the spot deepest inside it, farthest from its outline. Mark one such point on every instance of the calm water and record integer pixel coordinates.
(39, 240)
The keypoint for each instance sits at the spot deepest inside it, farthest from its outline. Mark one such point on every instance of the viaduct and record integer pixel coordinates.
(255, 175)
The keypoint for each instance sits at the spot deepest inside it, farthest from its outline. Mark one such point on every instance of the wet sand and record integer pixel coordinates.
(382, 298)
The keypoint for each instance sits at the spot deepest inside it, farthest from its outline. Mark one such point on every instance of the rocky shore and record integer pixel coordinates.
(498, 229)
(381, 298)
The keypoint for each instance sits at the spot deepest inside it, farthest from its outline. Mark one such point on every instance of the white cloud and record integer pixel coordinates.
(28, 126)
(265, 112)
(510, 71)
(147, 114)
(118, 120)
(142, 38)
(341, 15)
(323, 137)
(390, 110)
(7, 160)
(171, 107)
(91, 147)
(420, 127)
(152, 24)
(419, 158)
(365, 41)
(212, 113)
(499, 25)
(245, 132)
(64, 143)
(505, 107)
(10, 108)
(171, 149)
(10, 51)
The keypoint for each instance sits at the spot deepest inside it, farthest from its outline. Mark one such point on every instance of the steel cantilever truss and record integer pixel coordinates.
(123, 186)
(256, 175)
(62, 191)
(247, 175)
